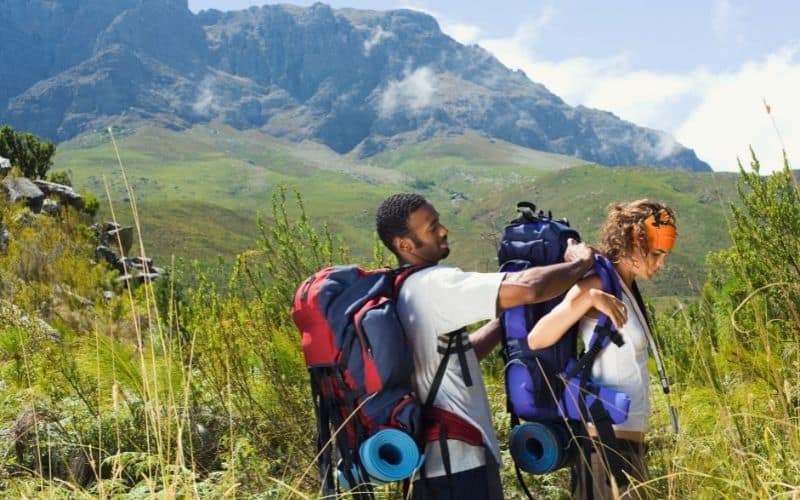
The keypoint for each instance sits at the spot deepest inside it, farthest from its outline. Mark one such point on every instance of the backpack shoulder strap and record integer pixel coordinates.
(401, 274)
(604, 331)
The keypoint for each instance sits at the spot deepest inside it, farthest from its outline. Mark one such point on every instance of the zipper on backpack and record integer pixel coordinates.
(306, 287)
(364, 340)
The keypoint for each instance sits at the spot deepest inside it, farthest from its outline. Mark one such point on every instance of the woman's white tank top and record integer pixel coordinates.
(624, 368)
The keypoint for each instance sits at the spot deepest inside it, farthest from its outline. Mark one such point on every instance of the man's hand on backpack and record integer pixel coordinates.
(579, 252)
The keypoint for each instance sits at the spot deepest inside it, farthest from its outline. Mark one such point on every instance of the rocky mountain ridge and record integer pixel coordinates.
(360, 82)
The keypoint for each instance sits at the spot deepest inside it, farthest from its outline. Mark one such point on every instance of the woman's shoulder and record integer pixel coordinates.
(589, 281)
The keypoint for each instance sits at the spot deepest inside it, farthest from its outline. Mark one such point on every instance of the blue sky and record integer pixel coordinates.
(698, 70)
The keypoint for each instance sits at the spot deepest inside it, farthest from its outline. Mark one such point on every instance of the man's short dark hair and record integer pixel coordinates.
(391, 219)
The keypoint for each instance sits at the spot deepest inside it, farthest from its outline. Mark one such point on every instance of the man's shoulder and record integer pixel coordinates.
(449, 277)
(435, 272)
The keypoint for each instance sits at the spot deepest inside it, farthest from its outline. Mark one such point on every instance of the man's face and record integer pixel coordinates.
(427, 237)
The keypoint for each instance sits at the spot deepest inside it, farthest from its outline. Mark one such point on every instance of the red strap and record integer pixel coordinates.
(404, 272)
(442, 422)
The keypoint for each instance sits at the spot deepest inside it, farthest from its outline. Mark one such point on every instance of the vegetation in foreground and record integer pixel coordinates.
(184, 391)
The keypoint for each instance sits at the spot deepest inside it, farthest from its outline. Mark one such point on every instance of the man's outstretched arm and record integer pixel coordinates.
(539, 284)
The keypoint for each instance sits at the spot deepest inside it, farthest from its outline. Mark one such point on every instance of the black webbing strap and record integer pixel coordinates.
(448, 470)
(515, 421)
(455, 342)
(640, 302)
(437, 378)
(324, 451)
(609, 446)
(584, 363)
(462, 357)
(342, 417)
(434, 389)
(584, 467)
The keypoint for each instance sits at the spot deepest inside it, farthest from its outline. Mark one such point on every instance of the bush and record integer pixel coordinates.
(60, 177)
(91, 205)
(26, 151)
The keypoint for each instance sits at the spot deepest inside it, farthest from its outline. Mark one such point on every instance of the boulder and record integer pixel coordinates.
(104, 253)
(121, 238)
(5, 166)
(139, 278)
(113, 235)
(65, 194)
(23, 189)
(51, 207)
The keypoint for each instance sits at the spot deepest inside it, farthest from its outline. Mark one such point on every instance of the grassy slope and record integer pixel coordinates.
(199, 191)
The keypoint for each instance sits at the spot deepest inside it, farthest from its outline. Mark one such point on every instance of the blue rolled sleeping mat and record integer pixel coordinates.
(388, 455)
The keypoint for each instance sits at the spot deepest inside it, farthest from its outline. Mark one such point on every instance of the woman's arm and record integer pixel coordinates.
(584, 296)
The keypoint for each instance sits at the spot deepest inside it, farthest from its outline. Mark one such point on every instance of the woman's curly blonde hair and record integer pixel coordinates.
(625, 222)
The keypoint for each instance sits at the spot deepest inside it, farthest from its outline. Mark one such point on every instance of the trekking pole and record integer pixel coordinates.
(638, 303)
(662, 375)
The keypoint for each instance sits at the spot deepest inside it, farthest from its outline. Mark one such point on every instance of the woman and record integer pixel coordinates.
(636, 238)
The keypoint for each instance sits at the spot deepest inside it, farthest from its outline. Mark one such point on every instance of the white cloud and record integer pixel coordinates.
(732, 115)
(377, 36)
(414, 92)
(461, 32)
(205, 103)
(717, 115)
(464, 33)
(518, 47)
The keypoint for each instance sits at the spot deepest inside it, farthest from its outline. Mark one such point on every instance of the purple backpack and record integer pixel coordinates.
(549, 394)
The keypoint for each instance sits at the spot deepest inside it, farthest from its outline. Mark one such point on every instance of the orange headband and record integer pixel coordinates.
(660, 231)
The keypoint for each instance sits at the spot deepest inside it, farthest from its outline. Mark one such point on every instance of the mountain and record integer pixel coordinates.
(360, 82)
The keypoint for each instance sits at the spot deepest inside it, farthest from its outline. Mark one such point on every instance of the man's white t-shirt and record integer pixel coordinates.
(434, 302)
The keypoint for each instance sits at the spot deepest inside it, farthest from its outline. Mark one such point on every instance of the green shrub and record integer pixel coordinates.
(60, 177)
(91, 204)
(33, 156)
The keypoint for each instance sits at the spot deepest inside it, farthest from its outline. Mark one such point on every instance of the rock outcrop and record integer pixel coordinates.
(22, 189)
(5, 166)
(136, 270)
(65, 194)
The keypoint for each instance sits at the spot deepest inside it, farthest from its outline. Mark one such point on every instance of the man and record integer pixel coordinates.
(439, 301)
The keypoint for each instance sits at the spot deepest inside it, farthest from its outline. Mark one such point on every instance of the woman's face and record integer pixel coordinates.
(653, 261)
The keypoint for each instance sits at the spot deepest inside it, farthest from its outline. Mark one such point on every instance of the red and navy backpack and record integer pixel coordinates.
(360, 364)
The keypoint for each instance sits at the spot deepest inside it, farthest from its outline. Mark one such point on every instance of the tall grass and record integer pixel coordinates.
(736, 356)
(161, 390)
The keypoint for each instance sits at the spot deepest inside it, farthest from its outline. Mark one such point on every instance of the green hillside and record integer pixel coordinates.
(198, 191)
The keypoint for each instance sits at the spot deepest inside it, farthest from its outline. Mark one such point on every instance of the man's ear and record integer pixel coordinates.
(401, 244)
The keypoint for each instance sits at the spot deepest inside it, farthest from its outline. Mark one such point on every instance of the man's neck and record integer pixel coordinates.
(402, 262)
